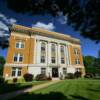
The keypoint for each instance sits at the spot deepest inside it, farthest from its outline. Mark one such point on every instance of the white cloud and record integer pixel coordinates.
(49, 26)
(4, 22)
(3, 26)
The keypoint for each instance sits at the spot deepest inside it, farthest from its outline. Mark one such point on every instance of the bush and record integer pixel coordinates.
(28, 77)
(41, 77)
(70, 76)
(1, 80)
(15, 80)
(89, 75)
(49, 78)
(77, 74)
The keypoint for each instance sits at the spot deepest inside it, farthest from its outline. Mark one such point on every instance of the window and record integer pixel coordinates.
(77, 61)
(62, 48)
(53, 60)
(16, 71)
(43, 47)
(42, 59)
(64, 71)
(43, 70)
(18, 57)
(19, 44)
(76, 52)
(62, 60)
(62, 54)
(43, 52)
(53, 53)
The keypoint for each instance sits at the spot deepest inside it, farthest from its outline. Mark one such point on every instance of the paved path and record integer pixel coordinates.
(13, 94)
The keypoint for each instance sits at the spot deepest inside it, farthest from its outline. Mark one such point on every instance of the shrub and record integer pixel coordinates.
(28, 77)
(77, 74)
(15, 80)
(49, 78)
(1, 80)
(89, 75)
(41, 77)
(69, 76)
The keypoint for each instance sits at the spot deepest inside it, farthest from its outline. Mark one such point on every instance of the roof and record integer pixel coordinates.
(43, 32)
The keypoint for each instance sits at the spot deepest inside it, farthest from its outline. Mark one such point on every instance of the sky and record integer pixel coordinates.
(57, 24)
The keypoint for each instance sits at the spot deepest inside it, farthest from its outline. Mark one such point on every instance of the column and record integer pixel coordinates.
(58, 54)
(68, 54)
(49, 53)
(38, 51)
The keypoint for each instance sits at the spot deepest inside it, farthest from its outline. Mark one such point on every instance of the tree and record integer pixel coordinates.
(82, 15)
(99, 54)
(2, 62)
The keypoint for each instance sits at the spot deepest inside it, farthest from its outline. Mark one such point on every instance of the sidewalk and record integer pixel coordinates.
(14, 94)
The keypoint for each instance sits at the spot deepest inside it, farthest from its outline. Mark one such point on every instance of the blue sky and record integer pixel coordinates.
(57, 24)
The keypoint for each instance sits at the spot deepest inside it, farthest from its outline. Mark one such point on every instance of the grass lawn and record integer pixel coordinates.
(4, 88)
(81, 89)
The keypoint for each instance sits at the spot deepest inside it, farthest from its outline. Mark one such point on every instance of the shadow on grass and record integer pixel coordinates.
(5, 88)
(40, 96)
(94, 90)
(76, 97)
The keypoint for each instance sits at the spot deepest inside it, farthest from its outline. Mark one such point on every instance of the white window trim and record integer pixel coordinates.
(18, 58)
(20, 43)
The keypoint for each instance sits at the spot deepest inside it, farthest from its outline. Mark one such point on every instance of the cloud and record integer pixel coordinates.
(4, 23)
(49, 26)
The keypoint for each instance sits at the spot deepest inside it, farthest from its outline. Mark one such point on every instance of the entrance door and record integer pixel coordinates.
(54, 72)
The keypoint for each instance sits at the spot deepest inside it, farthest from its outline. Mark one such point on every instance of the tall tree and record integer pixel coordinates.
(82, 15)
(2, 62)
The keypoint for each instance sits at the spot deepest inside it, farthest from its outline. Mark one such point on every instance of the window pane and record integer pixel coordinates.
(19, 71)
(17, 45)
(20, 59)
(15, 57)
(43, 70)
(53, 59)
(22, 45)
(42, 59)
(62, 60)
(64, 71)
(13, 73)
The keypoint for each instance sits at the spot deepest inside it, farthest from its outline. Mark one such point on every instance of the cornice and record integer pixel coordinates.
(39, 31)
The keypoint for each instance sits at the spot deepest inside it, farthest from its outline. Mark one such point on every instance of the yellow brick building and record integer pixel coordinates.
(36, 51)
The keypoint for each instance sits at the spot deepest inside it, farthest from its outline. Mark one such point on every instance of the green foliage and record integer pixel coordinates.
(82, 15)
(2, 62)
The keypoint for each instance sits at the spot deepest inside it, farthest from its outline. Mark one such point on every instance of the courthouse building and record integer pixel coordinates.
(39, 51)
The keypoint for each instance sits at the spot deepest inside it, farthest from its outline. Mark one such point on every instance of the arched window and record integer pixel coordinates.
(43, 52)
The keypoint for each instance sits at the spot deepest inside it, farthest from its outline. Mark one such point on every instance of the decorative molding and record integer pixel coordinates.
(39, 31)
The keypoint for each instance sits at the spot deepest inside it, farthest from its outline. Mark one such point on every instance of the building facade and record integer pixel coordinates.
(39, 51)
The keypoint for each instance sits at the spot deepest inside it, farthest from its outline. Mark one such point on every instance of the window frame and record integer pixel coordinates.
(20, 43)
(18, 57)
(16, 71)
(43, 71)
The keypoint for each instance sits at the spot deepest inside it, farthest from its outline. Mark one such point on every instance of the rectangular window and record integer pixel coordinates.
(16, 71)
(76, 52)
(53, 60)
(42, 59)
(19, 44)
(43, 70)
(15, 58)
(64, 71)
(62, 60)
(77, 61)
(18, 57)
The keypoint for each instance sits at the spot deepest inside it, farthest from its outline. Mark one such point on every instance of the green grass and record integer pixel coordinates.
(9, 87)
(81, 89)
